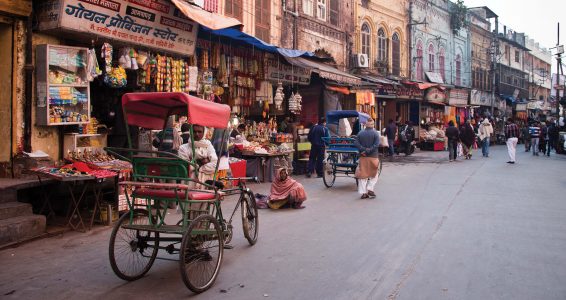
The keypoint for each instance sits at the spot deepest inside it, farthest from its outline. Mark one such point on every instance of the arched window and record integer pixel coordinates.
(441, 59)
(431, 55)
(382, 46)
(458, 70)
(365, 37)
(395, 55)
(419, 61)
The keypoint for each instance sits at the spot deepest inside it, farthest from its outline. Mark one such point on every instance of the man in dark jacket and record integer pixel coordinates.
(452, 133)
(391, 132)
(316, 156)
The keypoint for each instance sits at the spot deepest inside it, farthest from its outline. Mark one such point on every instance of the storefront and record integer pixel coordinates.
(458, 109)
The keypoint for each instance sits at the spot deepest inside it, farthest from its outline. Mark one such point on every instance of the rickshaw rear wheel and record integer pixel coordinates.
(132, 252)
(250, 220)
(202, 249)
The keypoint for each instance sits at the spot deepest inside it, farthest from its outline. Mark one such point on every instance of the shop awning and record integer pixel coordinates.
(237, 35)
(205, 18)
(325, 71)
(378, 80)
(423, 85)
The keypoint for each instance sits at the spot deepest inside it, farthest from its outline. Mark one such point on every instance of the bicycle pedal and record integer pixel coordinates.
(228, 247)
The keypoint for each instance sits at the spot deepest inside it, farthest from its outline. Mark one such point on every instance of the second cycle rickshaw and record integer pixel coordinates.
(341, 157)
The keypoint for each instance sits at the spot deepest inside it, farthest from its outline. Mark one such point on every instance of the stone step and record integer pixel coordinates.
(19, 229)
(14, 209)
(8, 195)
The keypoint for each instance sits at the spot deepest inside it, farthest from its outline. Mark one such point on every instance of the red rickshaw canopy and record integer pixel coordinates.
(150, 110)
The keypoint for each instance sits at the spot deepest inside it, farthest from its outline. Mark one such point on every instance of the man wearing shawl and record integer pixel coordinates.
(286, 191)
(205, 155)
(367, 143)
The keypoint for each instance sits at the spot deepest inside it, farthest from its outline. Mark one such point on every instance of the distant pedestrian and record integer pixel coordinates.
(452, 133)
(367, 171)
(543, 138)
(467, 137)
(511, 134)
(534, 131)
(485, 132)
(316, 133)
(391, 132)
(526, 135)
(553, 135)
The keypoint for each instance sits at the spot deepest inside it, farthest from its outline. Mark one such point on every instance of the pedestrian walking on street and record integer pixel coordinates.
(367, 143)
(526, 135)
(543, 138)
(485, 132)
(511, 134)
(467, 137)
(534, 130)
(453, 134)
(553, 135)
(316, 157)
(391, 132)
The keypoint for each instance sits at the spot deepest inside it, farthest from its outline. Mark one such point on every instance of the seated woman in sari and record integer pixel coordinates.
(285, 191)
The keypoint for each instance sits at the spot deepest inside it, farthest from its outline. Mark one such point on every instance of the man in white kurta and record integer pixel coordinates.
(205, 155)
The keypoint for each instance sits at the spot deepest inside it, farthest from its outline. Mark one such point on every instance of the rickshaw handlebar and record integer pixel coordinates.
(254, 179)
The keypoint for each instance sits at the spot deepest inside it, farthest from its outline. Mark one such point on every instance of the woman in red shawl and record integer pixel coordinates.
(286, 190)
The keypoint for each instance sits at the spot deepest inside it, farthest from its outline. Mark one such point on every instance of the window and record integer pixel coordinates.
(321, 9)
(365, 39)
(441, 61)
(262, 21)
(419, 61)
(308, 7)
(395, 55)
(458, 70)
(431, 55)
(474, 78)
(334, 16)
(516, 55)
(234, 9)
(211, 5)
(382, 47)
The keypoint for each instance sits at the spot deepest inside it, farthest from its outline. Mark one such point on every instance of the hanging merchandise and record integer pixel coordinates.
(107, 52)
(93, 69)
(278, 98)
(125, 61)
(193, 78)
(116, 78)
(133, 55)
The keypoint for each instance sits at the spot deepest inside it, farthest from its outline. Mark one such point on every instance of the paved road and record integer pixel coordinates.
(479, 229)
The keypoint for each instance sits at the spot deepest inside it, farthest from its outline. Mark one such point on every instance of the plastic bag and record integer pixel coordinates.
(460, 150)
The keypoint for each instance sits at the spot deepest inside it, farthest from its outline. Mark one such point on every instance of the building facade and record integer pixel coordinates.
(538, 63)
(437, 47)
(511, 79)
(320, 26)
(13, 101)
(380, 33)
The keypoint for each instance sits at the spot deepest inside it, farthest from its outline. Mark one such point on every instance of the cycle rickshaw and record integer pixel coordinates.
(341, 157)
(160, 178)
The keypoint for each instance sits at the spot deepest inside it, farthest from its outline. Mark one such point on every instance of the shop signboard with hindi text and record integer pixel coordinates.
(409, 92)
(435, 95)
(280, 72)
(156, 24)
(458, 97)
(480, 98)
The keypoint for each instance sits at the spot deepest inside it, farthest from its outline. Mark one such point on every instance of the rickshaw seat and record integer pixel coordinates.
(201, 196)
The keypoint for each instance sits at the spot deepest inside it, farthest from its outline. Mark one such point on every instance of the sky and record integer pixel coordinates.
(536, 18)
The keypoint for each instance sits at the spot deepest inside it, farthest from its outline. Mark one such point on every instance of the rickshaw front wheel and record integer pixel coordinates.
(202, 249)
(132, 251)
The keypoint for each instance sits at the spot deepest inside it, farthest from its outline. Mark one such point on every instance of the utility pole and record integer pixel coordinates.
(558, 63)
(494, 52)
